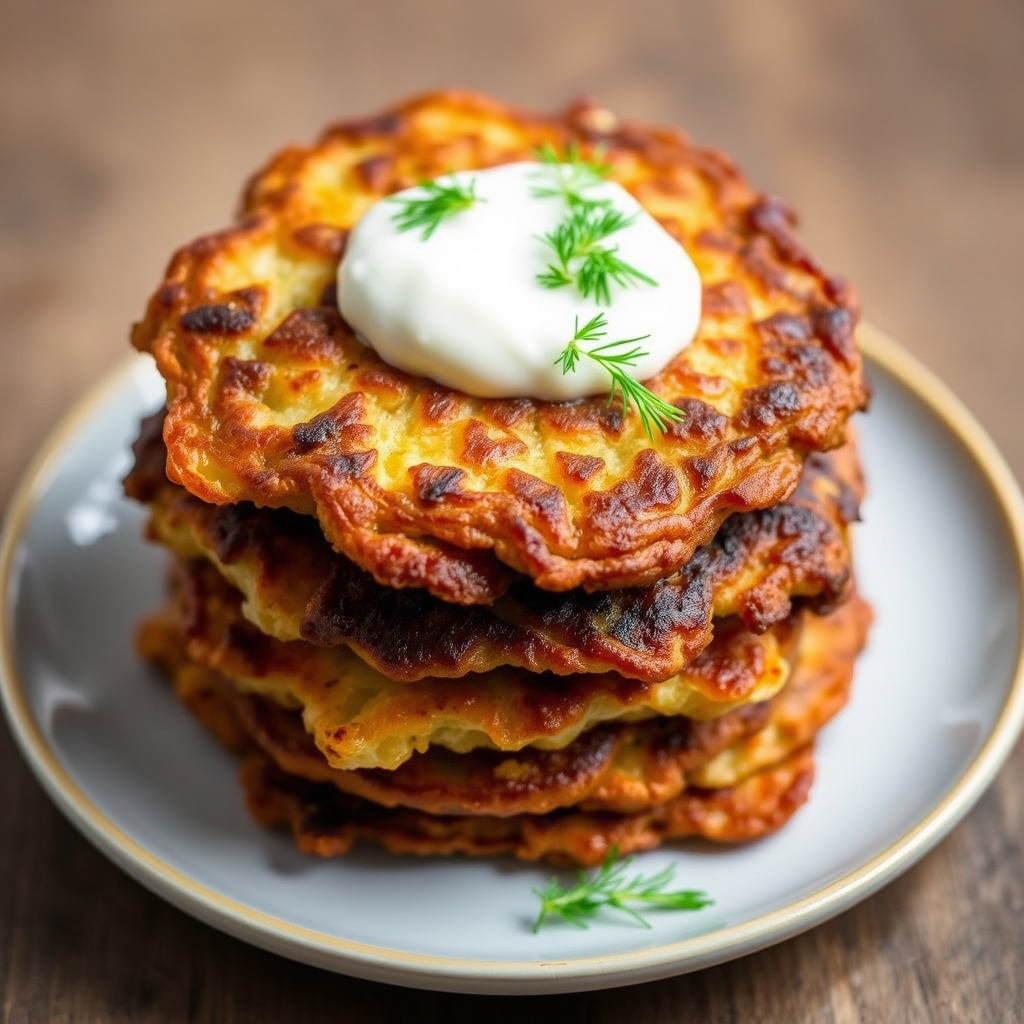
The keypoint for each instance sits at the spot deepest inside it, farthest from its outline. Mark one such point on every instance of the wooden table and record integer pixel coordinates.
(897, 131)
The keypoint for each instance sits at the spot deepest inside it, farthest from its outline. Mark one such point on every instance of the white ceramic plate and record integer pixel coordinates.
(931, 719)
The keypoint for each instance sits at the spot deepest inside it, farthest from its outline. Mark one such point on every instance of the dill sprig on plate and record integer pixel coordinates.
(438, 202)
(611, 887)
(616, 357)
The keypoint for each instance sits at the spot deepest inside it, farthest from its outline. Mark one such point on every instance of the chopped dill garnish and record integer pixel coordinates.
(438, 202)
(568, 176)
(652, 409)
(582, 260)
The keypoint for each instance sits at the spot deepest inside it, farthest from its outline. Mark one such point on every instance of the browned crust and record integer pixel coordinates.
(355, 714)
(326, 822)
(624, 768)
(272, 398)
(758, 564)
(615, 767)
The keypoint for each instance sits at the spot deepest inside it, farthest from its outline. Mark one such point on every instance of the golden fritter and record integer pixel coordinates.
(273, 399)
(361, 719)
(296, 587)
(326, 822)
(621, 767)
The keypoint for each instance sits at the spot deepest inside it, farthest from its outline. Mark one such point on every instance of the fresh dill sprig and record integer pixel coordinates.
(652, 409)
(440, 201)
(569, 175)
(581, 258)
(610, 887)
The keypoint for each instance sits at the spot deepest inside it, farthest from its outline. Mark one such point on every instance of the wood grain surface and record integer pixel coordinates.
(895, 128)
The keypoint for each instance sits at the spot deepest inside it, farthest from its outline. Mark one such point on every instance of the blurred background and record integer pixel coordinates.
(896, 130)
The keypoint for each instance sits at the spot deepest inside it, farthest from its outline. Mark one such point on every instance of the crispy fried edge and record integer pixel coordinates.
(370, 525)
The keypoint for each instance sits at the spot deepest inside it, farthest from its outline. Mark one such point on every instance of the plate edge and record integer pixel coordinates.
(453, 974)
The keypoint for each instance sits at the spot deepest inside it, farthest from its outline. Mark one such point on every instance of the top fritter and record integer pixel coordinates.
(273, 399)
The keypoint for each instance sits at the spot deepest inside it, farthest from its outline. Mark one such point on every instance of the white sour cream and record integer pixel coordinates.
(464, 307)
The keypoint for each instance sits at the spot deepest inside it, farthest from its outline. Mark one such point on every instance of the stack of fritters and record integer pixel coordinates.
(448, 623)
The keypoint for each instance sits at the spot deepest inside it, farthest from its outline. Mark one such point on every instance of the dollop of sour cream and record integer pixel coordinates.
(464, 307)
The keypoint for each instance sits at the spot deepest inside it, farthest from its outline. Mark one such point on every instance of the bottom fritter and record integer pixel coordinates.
(629, 785)
(326, 822)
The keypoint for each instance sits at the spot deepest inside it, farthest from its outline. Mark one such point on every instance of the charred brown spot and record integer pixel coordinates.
(700, 422)
(218, 319)
(306, 334)
(401, 626)
(324, 240)
(611, 417)
(812, 365)
(253, 298)
(578, 468)
(480, 449)
(349, 465)
(247, 375)
(725, 298)
(669, 184)
(376, 172)
(544, 499)
(833, 326)
(471, 577)
(552, 708)
(784, 328)
(656, 485)
(704, 470)
(673, 228)
(343, 420)
(378, 376)
(717, 169)
(731, 671)
(509, 412)
(349, 410)
(440, 406)
(643, 620)
(820, 471)
(772, 217)
(232, 532)
(251, 222)
(148, 475)
(769, 405)
(757, 489)
(759, 260)
(436, 483)
(839, 291)
(584, 415)
(652, 486)
(171, 295)
(315, 432)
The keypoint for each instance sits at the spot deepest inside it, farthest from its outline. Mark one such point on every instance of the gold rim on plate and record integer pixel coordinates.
(377, 963)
